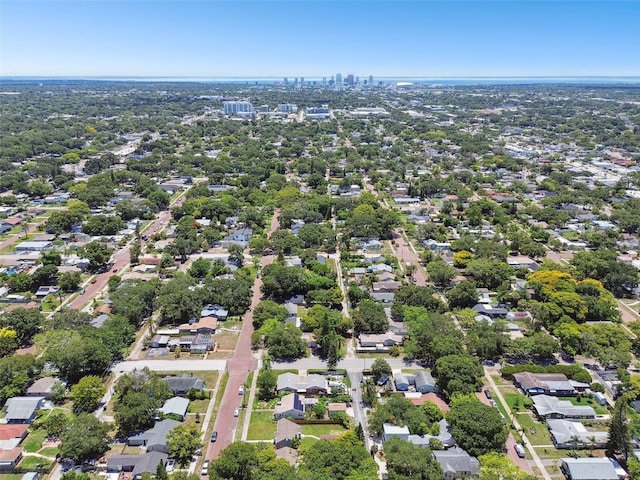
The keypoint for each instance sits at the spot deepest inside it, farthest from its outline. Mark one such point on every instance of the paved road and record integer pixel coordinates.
(20, 236)
(170, 365)
(349, 364)
(359, 412)
(239, 367)
(120, 260)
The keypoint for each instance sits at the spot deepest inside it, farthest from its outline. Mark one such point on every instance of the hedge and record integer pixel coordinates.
(574, 372)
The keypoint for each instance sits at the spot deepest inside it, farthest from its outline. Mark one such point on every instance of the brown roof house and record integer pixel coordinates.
(287, 433)
(9, 459)
(290, 406)
(42, 387)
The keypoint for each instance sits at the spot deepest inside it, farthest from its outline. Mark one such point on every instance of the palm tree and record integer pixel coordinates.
(592, 444)
(575, 439)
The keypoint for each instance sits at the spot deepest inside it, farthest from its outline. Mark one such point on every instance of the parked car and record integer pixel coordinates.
(214, 436)
(241, 390)
(236, 412)
(519, 450)
(205, 468)
(171, 463)
(487, 394)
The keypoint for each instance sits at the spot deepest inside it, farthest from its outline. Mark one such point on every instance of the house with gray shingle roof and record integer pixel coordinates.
(286, 432)
(23, 409)
(154, 439)
(552, 407)
(589, 469)
(176, 406)
(457, 463)
(180, 385)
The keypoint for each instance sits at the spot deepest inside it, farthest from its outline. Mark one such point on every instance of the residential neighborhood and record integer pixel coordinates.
(445, 275)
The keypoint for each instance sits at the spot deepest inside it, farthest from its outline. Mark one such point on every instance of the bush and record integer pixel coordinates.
(596, 387)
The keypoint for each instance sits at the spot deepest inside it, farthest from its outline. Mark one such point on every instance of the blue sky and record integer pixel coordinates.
(319, 38)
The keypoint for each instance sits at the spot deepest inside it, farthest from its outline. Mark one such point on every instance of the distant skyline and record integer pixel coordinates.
(307, 38)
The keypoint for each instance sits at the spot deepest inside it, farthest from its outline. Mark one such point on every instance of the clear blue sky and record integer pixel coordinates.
(319, 38)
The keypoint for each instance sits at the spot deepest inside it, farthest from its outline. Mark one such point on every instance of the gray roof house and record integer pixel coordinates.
(137, 464)
(589, 469)
(563, 433)
(401, 381)
(176, 406)
(292, 382)
(23, 409)
(155, 439)
(544, 383)
(180, 385)
(444, 437)
(42, 387)
(391, 431)
(425, 383)
(286, 432)
(456, 463)
(552, 407)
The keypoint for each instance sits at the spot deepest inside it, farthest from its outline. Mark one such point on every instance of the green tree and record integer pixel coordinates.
(267, 380)
(619, 439)
(379, 368)
(134, 252)
(8, 341)
(51, 258)
(285, 342)
(370, 317)
(87, 393)
(406, 461)
(69, 281)
(440, 273)
(457, 374)
(56, 423)
(183, 441)
(84, 439)
(138, 396)
(25, 322)
(200, 268)
(497, 466)
(97, 253)
(236, 462)
(268, 309)
(477, 427)
(463, 295)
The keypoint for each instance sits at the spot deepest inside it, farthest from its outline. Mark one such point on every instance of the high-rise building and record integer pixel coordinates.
(286, 81)
(301, 80)
(371, 80)
(349, 79)
(324, 81)
(233, 108)
(339, 85)
(287, 108)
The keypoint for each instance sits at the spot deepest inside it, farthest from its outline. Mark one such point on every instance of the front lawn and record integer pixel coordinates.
(318, 430)
(262, 426)
(34, 441)
(32, 463)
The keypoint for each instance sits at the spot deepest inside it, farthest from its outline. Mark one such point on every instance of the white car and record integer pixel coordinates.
(236, 412)
(171, 463)
(241, 390)
(205, 468)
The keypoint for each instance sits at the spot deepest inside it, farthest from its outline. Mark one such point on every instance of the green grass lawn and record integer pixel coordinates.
(514, 399)
(199, 406)
(49, 451)
(31, 463)
(600, 410)
(536, 432)
(325, 429)
(262, 426)
(11, 476)
(34, 440)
